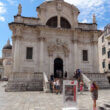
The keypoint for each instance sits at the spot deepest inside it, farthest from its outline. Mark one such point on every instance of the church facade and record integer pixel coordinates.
(54, 41)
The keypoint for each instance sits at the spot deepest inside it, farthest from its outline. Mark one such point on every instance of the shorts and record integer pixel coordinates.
(57, 87)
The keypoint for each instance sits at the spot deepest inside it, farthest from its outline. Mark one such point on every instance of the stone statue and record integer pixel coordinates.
(94, 18)
(19, 10)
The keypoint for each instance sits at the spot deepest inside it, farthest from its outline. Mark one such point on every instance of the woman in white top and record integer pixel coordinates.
(57, 86)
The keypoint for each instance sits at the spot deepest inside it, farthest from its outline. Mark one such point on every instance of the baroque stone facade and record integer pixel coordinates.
(55, 40)
(56, 33)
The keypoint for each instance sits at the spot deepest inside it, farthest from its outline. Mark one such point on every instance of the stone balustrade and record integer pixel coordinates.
(100, 79)
(26, 20)
(25, 82)
(46, 83)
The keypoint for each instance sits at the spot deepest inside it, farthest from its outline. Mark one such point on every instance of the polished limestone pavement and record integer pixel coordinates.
(45, 101)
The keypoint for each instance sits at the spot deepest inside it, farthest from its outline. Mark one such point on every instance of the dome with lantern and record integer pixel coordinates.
(8, 45)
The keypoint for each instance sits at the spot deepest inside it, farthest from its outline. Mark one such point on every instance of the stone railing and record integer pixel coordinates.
(46, 83)
(87, 26)
(26, 20)
(25, 82)
(87, 81)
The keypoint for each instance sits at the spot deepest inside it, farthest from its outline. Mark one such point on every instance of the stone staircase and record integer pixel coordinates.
(25, 82)
(100, 79)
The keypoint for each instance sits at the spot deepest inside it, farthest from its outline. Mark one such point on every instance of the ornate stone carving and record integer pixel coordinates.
(59, 6)
(58, 46)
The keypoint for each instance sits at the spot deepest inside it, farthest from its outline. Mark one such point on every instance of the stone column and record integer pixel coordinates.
(95, 57)
(75, 47)
(95, 53)
(59, 21)
(16, 51)
(41, 57)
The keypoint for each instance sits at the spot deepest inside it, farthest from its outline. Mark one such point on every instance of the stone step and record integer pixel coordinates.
(34, 83)
(100, 79)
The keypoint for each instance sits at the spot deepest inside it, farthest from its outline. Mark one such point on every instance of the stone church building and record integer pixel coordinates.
(54, 41)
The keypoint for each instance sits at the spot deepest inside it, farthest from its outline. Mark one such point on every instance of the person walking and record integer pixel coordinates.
(94, 93)
(51, 82)
(57, 86)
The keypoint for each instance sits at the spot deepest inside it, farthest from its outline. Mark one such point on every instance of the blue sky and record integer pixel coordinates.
(8, 9)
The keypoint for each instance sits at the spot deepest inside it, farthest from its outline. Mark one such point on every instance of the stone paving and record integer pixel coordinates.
(47, 101)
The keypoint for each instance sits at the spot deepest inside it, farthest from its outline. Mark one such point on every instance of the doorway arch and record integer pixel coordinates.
(58, 68)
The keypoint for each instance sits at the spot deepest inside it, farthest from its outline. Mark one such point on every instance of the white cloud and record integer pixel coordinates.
(2, 18)
(89, 7)
(2, 8)
(84, 21)
(1, 4)
(2, 11)
(12, 2)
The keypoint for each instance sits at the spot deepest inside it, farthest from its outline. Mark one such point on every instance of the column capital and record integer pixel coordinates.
(14, 37)
(59, 21)
(41, 38)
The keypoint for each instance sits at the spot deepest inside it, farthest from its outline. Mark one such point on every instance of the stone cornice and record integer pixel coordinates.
(82, 42)
(50, 28)
(27, 17)
(39, 27)
(46, 30)
(14, 37)
(87, 23)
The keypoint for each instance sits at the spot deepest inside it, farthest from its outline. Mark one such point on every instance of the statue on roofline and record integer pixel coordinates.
(19, 10)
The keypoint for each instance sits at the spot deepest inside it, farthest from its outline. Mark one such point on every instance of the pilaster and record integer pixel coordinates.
(16, 53)
(41, 54)
(75, 47)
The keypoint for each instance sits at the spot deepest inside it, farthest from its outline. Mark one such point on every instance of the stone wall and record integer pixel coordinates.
(25, 82)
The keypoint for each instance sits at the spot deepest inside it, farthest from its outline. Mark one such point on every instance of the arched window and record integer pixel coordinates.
(52, 22)
(64, 23)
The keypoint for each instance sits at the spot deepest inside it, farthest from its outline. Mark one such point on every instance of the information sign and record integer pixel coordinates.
(70, 94)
